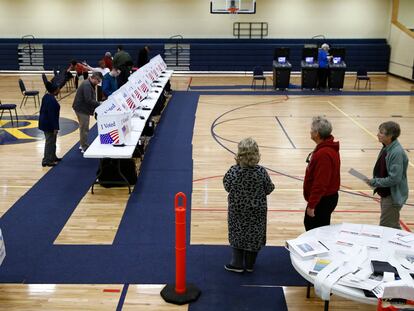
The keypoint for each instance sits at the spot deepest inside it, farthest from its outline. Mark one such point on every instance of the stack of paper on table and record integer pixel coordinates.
(306, 247)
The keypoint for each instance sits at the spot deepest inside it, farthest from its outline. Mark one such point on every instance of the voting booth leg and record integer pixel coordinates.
(180, 293)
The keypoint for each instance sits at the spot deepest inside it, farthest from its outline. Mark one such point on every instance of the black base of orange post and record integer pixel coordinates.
(168, 293)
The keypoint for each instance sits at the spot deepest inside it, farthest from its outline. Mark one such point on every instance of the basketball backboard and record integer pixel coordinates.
(232, 6)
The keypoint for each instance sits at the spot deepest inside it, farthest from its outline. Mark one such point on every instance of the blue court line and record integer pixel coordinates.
(122, 297)
(309, 93)
(284, 131)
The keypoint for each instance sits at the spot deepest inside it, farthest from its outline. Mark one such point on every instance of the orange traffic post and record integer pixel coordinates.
(180, 293)
(180, 242)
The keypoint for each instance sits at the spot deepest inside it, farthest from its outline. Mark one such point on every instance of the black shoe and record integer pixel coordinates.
(233, 268)
(249, 270)
(49, 164)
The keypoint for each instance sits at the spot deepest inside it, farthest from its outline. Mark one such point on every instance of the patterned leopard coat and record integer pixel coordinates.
(247, 210)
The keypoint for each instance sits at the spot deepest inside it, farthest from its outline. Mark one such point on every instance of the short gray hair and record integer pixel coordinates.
(325, 46)
(97, 75)
(322, 126)
(248, 153)
(390, 128)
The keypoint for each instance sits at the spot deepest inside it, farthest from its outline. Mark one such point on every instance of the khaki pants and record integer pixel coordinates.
(390, 213)
(83, 129)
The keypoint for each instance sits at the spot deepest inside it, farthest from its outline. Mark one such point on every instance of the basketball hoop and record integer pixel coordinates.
(233, 10)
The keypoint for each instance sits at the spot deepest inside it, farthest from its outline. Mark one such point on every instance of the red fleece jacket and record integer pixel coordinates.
(322, 177)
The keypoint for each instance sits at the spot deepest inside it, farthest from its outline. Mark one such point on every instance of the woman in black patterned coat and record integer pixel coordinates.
(248, 184)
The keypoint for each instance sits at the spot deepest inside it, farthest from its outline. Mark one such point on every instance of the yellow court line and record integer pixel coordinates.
(358, 124)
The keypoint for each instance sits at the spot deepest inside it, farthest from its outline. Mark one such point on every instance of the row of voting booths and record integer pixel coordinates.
(124, 123)
(114, 114)
(309, 68)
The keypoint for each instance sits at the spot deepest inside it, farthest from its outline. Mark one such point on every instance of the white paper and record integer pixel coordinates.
(306, 247)
(351, 280)
(351, 228)
(396, 240)
(372, 231)
(358, 174)
(408, 238)
(345, 239)
(388, 276)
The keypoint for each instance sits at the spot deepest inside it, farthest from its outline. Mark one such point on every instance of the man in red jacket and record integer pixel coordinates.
(322, 177)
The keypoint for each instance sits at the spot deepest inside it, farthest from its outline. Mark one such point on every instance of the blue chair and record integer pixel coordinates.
(362, 75)
(258, 76)
(9, 107)
(27, 94)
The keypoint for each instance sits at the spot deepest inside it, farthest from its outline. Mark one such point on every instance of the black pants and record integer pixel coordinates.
(323, 213)
(243, 259)
(124, 75)
(322, 77)
(50, 148)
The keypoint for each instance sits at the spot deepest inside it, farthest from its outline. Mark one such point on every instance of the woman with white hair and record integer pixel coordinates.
(322, 177)
(248, 184)
(323, 70)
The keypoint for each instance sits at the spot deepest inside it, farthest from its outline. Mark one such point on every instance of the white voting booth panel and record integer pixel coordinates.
(114, 128)
(114, 122)
(125, 98)
(2, 248)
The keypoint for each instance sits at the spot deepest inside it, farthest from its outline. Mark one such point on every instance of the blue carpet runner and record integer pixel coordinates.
(143, 249)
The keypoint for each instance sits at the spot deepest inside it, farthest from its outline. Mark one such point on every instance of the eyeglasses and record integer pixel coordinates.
(309, 157)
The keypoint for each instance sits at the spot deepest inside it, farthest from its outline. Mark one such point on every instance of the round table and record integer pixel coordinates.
(328, 236)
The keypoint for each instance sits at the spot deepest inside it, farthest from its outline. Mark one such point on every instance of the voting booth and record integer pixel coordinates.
(281, 68)
(309, 67)
(337, 68)
(114, 122)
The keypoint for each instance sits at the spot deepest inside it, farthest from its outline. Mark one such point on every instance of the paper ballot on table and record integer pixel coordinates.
(357, 174)
(2, 248)
(306, 247)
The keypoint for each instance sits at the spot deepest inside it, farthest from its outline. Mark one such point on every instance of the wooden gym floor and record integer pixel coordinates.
(280, 124)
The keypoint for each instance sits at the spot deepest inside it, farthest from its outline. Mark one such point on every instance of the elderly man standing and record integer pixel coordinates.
(390, 175)
(322, 177)
(84, 105)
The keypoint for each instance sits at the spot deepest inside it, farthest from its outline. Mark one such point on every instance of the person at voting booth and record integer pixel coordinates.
(143, 56)
(322, 177)
(323, 70)
(123, 61)
(110, 82)
(248, 184)
(84, 106)
(49, 123)
(390, 175)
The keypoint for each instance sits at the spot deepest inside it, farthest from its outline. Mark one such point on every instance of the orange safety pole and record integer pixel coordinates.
(180, 243)
(180, 293)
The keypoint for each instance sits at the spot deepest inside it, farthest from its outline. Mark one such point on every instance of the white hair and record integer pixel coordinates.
(325, 46)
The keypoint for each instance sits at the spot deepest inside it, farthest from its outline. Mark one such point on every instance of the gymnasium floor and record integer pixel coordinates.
(279, 123)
